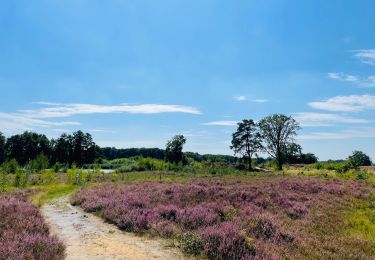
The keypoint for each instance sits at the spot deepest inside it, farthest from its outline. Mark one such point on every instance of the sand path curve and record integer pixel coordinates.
(88, 237)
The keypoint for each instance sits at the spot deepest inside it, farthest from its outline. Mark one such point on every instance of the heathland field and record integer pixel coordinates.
(217, 213)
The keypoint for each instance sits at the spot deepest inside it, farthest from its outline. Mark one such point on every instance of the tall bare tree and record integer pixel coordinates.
(278, 131)
(246, 140)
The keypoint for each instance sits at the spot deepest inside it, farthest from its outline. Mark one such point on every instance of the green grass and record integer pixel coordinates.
(45, 193)
(361, 221)
(351, 174)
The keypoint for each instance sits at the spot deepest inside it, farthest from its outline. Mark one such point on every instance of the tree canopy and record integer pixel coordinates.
(359, 158)
(173, 150)
(247, 140)
(25, 148)
(278, 131)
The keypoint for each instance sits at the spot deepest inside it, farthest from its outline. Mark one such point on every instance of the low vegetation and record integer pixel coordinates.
(23, 233)
(234, 218)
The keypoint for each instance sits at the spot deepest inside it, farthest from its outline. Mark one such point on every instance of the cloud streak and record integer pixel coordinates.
(240, 98)
(323, 119)
(353, 103)
(342, 76)
(345, 134)
(54, 110)
(36, 118)
(14, 122)
(366, 56)
(221, 123)
(260, 100)
(362, 82)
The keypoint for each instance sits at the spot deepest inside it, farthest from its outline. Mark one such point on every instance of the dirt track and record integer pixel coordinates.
(88, 237)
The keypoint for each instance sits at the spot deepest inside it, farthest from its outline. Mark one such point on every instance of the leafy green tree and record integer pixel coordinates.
(308, 158)
(278, 131)
(27, 146)
(2, 147)
(173, 150)
(247, 140)
(293, 154)
(61, 148)
(41, 162)
(79, 148)
(359, 158)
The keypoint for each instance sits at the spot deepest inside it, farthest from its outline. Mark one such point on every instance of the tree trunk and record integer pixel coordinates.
(279, 164)
(249, 162)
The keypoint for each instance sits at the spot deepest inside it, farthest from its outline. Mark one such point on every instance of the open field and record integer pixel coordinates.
(214, 212)
(245, 217)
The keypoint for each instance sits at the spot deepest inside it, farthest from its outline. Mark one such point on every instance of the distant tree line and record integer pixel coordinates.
(79, 148)
(25, 148)
(111, 153)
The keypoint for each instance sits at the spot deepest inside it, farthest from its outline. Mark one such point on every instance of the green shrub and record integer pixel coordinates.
(10, 167)
(77, 176)
(47, 176)
(3, 181)
(362, 175)
(20, 179)
(338, 166)
(191, 243)
(56, 167)
(40, 163)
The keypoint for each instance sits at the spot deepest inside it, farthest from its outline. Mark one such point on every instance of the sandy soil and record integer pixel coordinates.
(88, 237)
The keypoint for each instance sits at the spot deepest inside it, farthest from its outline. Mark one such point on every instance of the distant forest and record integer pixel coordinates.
(80, 148)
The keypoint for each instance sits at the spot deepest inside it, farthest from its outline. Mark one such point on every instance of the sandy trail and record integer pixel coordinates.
(88, 237)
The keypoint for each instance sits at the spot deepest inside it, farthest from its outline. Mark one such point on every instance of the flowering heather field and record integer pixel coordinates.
(23, 233)
(240, 218)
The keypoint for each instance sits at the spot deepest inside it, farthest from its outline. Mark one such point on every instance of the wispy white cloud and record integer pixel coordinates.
(11, 123)
(324, 119)
(193, 133)
(344, 134)
(45, 103)
(221, 123)
(240, 98)
(359, 81)
(342, 76)
(353, 103)
(102, 131)
(35, 118)
(366, 56)
(256, 100)
(65, 110)
(260, 100)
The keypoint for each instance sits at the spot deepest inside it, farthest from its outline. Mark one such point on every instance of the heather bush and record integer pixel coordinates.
(191, 243)
(198, 216)
(226, 242)
(262, 227)
(23, 233)
(231, 218)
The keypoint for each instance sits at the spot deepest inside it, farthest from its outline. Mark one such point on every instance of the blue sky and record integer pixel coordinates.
(134, 73)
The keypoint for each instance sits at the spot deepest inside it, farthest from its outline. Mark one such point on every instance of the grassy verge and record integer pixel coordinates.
(361, 222)
(45, 193)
